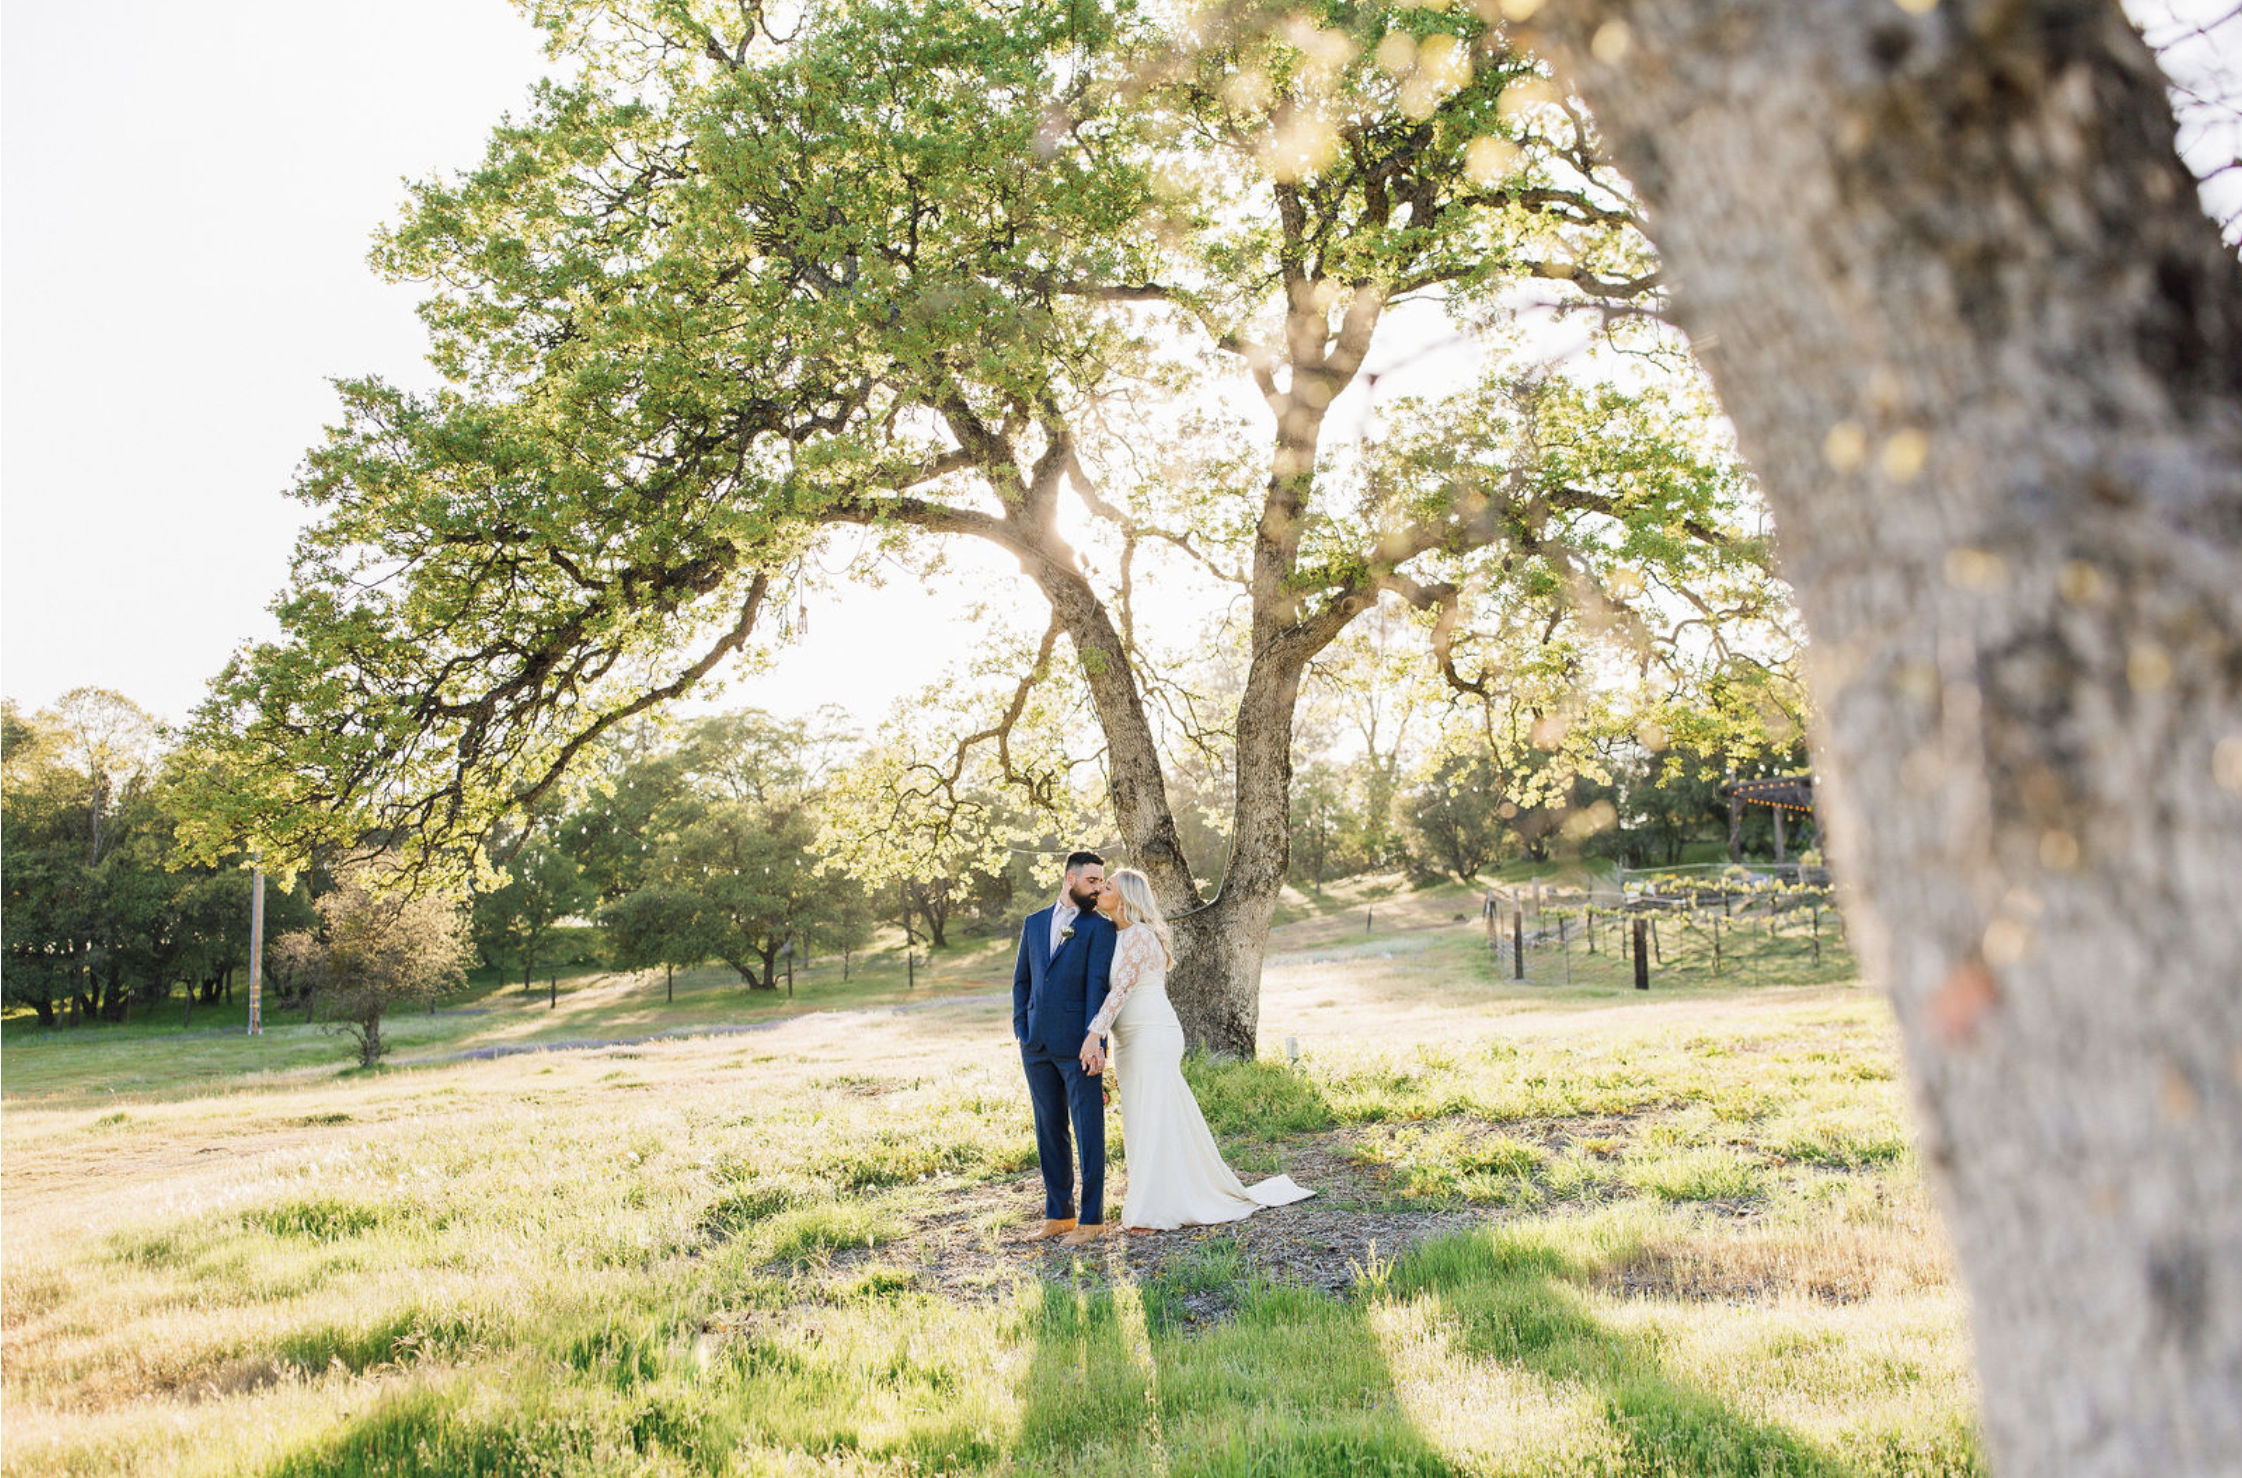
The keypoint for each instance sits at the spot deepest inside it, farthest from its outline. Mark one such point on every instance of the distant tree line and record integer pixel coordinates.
(745, 839)
(101, 913)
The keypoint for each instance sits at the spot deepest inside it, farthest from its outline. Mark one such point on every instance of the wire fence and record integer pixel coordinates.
(1768, 924)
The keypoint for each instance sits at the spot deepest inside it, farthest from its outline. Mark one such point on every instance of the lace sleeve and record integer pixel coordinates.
(1127, 970)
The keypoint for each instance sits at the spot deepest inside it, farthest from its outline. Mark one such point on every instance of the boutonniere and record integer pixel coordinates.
(1066, 933)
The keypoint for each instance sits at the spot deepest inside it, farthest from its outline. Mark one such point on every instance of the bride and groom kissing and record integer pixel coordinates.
(1091, 980)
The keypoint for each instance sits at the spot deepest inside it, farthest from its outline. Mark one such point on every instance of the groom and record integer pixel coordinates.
(1057, 986)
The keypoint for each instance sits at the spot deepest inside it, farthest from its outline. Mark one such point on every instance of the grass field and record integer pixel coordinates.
(1562, 1230)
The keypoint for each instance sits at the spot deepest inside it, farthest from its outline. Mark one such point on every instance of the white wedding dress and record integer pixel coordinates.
(1176, 1174)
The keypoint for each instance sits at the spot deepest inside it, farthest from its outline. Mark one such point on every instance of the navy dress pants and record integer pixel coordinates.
(1062, 1092)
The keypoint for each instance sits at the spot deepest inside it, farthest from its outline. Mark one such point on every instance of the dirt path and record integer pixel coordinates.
(718, 1029)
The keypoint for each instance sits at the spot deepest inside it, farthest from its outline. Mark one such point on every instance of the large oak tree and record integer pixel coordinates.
(936, 269)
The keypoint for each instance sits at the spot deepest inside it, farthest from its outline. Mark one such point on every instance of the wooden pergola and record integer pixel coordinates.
(1785, 794)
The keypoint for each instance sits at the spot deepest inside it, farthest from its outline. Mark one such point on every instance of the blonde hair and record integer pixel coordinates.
(1138, 904)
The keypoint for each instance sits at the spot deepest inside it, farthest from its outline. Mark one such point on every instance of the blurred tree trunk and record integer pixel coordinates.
(366, 1030)
(1981, 343)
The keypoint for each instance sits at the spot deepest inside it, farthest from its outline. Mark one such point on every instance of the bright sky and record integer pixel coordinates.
(187, 193)
(188, 196)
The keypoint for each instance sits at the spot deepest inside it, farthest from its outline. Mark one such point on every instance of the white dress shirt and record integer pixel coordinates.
(1063, 916)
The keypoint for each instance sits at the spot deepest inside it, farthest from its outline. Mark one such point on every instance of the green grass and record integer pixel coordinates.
(1259, 1099)
(1706, 1173)
(809, 1233)
(1694, 1242)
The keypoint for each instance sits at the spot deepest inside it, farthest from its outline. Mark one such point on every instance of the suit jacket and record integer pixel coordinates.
(1055, 995)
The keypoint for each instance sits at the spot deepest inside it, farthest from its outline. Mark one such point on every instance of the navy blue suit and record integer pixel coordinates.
(1054, 996)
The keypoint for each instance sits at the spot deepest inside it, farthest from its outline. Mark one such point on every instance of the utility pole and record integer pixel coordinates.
(257, 945)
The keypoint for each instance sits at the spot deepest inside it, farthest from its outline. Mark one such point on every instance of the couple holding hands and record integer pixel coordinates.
(1089, 995)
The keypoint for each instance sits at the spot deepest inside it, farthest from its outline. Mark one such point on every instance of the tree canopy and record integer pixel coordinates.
(1084, 283)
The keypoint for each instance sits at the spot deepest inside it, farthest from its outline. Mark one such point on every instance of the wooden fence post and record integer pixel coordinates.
(1642, 961)
(256, 953)
(1518, 944)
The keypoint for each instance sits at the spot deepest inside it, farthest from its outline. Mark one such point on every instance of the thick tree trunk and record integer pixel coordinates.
(1216, 984)
(1139, 787)
(1980, 342)
(1216, 987)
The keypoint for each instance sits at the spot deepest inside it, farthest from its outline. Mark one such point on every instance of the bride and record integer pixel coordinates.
(1176, 1174)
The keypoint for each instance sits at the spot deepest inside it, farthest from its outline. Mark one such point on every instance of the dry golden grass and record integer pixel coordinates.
(710, 1254)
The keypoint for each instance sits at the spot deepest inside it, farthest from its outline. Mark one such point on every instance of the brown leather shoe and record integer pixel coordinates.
(1083, 1236)
(1052, 1227)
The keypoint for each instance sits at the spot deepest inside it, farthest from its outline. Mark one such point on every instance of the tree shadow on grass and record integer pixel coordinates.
(1507, 1297)
(1297, 1384)
(1292, 1385)
(1086, 1390)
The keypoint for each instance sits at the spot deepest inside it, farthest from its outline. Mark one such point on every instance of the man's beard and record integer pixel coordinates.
(1081, 900)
